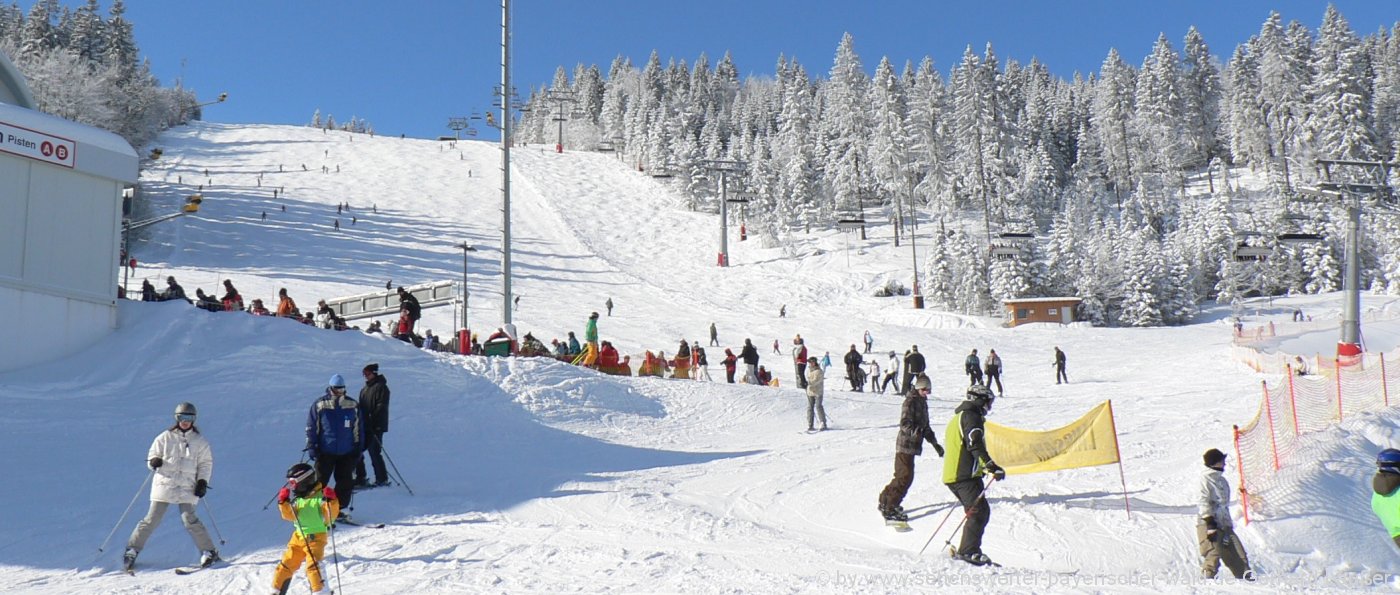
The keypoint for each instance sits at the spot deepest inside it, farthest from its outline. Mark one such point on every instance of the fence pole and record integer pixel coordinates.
(1338, 363)
(1239, 462)
(1385, 390)
(1269, 410)
(1292, 400)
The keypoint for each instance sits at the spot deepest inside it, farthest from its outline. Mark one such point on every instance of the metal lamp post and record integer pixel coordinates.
(466, 292)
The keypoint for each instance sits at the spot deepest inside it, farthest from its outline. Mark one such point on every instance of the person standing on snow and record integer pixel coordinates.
(869, 341)
(914, 430)
(714, 335)
(854, 374)
(181, 463)
(312, 508)
(873, 374)
(891, 374)
(750, 356)
(334, 438)
(374, 410)
(973, 367)
(730, 362)
(285, 305)
(702, 363)
(1060, 367)
(1385, 501)
(993, 368)
(816, 387)
(1214, 530)
(913, 366)
(590, 331)
(964, 469)
(799, 360)
(609, 305)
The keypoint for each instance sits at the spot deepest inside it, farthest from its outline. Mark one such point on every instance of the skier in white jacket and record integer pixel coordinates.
(182, 463)
(1214, 530)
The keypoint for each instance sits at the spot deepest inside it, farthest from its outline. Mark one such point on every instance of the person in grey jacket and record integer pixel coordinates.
(914, 430)
(1214, 530)
(816, 386)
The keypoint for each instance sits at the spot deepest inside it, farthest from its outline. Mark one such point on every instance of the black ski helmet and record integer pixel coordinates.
(302, 476)
(1388, 460)
(979, 394)
(186, 408)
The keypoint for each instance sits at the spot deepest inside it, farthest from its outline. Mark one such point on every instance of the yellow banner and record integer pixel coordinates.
(1087, 442)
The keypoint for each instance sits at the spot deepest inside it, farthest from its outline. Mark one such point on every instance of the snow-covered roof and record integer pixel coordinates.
(94, 151)
(1041, 300)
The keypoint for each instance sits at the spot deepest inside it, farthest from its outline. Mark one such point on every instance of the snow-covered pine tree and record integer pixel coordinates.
(844, 126)
(1112, 112)
(1340, 124)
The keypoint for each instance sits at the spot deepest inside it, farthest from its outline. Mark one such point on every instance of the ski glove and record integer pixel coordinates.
(156, 462)
(997, 471)
(284, 495)
(938, 448)
(200, 488)
(328, 493)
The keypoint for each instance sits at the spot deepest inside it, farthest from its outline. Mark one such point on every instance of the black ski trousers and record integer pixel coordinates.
(374, 448)
(342, 469)
(969, 492)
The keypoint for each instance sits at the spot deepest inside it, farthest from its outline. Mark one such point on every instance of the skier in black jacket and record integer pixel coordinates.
(913, 366)
(374, 410)
(854, 374)
(750, 356)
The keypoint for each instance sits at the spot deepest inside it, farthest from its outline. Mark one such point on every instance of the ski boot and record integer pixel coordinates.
(208, 558)
(975, 559)
(129, 559)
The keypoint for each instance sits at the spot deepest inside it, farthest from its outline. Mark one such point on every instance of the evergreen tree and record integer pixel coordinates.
(1340, 124)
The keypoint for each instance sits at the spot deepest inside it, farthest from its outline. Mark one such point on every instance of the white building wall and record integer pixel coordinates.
(60, 225)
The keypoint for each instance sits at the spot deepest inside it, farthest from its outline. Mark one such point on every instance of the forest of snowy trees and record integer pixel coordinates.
(1137, 182)
(87, 68)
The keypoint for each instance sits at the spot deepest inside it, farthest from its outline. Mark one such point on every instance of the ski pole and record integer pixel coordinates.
(966, 515)
(396, 468)
(335, 558)
(210, 511)
(149, 474)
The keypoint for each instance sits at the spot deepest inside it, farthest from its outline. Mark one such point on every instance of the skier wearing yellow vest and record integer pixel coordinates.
(967, 462)
(311, 507)
(1386, 485)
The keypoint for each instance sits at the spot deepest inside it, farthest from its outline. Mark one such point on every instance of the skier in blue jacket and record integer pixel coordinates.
(334, 438)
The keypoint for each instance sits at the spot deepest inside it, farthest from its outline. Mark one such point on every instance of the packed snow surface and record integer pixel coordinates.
(533, 476)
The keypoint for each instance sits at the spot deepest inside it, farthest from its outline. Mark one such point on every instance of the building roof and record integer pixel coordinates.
(1041, 300)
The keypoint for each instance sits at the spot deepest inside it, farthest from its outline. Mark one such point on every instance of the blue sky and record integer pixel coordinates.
(406, 70)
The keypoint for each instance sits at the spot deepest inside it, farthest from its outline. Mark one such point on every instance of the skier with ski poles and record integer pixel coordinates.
(183, 464)
(967, 464)
(312, 507)
(914, 430)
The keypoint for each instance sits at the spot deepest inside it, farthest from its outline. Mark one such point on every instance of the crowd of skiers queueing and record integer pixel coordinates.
(339, 430)
(324, 316)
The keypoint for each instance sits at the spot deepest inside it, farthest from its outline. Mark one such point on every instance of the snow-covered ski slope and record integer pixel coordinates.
(536, 477)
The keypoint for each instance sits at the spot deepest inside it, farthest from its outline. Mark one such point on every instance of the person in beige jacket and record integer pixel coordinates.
(816, 385)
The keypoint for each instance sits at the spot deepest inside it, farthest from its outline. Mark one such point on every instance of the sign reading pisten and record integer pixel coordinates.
(36, 145)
